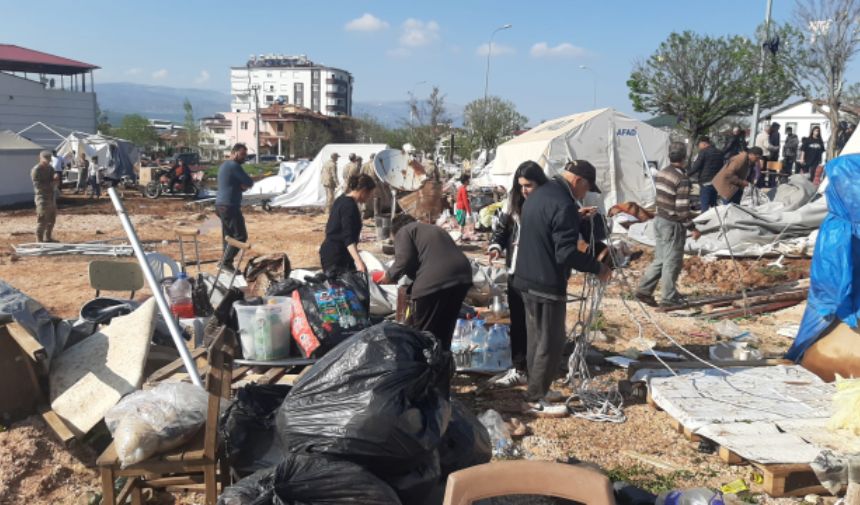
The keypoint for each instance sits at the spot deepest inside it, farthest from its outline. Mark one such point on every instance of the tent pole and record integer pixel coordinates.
(645, 163)
(155, 287)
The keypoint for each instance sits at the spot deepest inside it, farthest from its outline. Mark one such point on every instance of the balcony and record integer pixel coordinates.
(342, 82)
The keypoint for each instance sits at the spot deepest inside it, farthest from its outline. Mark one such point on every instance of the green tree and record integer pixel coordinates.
(428, 120)
(490, 121)
(308, 138)
(136, 129)
(702, 80)
(192, 129)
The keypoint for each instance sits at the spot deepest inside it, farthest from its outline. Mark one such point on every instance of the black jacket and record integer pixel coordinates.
(734, 146)
(549, 232)
(503, 236)
(707, 164)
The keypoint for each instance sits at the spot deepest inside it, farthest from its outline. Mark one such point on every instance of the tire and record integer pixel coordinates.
(195, 190)
(267, 206)
(152, 190)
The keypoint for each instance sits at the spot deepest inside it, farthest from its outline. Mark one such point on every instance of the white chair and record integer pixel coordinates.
(159, 263)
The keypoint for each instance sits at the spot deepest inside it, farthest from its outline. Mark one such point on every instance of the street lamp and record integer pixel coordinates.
(412, 97)
(490, 52)
(594, 76)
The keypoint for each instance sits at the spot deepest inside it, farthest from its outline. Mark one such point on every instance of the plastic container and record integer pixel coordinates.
(179, 292)
(498, 355)
(478, 340)
(695, 496)
(264, 330)
(460, 344)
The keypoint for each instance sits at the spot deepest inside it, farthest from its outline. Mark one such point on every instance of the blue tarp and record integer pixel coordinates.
(834, 292)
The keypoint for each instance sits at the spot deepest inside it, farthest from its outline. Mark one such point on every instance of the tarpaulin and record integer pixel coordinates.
(834, 292)
(51, 332)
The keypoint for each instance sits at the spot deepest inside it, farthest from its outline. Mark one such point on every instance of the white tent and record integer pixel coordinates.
(307, 190)
(853, 145)
(18, 156)
(118, 156)
(617, 145)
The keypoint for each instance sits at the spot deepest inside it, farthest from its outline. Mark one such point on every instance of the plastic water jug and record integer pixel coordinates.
(181, 304)
(499, 348)
(266, 322)
(695, 496)
(478, 339)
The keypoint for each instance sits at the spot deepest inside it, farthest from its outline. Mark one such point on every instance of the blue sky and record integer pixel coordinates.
(389, 46)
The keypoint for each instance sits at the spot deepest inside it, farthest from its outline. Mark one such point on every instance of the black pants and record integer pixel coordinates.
(546, 338)
(438, 312)
(788, 165)
(519, 341)
(233, 226)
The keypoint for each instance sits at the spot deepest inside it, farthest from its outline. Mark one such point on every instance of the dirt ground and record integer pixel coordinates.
(643, 450)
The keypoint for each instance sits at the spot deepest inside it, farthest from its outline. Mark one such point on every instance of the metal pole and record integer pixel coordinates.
(594, 80)
(175, 332)
(487, 73)
(755, 114)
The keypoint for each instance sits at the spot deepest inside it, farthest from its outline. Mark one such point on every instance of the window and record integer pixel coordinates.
(219, 130)
(300, 86)
(270, 98)
(280, 127)
(243, 125)
(268, 74)
(222, 142)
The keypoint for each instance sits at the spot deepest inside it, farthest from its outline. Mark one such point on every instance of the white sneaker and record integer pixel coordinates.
(509, 379)
(543, 408)
(553, 396)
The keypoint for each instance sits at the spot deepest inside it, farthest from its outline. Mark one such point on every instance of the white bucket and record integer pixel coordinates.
(264, 330)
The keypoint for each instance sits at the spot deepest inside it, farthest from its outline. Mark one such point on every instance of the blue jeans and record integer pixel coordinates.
(707, 197)
(736, 199)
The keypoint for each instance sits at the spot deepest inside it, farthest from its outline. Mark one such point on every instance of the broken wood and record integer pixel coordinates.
(751, 301)
(722, 300)
(30, 346)
(62, 432)
(751, 311)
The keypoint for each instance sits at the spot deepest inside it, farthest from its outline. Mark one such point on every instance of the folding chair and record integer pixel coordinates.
(115, 276)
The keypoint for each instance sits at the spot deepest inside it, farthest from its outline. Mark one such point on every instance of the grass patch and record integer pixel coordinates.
(648, 479)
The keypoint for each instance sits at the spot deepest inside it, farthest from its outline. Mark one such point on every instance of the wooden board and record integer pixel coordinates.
(18, 368)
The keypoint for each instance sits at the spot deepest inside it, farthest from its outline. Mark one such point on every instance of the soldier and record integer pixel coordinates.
(355, 168)
(350, 168)
(46, 207)
(329, 179)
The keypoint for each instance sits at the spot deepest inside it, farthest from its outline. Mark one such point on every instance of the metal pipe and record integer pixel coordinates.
(172, 325)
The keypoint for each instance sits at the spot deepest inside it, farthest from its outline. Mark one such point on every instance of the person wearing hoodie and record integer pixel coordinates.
(708, 163)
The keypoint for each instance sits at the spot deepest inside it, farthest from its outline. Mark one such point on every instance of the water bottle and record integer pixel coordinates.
(459, 343)
(499, 348)
(478, 340)
(181, 304)
(695, 496)
(263, 332)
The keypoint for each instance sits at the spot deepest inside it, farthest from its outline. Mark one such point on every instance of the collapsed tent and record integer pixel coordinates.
(622, 149)
(785, 223)
(834, 292)
(307, 190)
(117, 156)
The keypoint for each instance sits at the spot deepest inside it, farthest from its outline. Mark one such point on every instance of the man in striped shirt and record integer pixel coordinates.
(670, 231)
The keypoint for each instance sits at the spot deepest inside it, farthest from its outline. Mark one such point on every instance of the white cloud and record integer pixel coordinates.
(160, 74)
(399, 52)
(563, 50)
(133, 71)
(498, 49)
(417, 33)
(366, 23)
(203, 77)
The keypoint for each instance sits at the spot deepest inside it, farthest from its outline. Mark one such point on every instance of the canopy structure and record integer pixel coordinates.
(307, 190)
(17, 157)
(118, 156)
(20, 59)
(622, 149)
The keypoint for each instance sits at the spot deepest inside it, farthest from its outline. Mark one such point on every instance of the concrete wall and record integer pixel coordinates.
(15, 183)
(24, 102)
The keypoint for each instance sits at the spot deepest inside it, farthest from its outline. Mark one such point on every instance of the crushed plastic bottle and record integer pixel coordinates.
(695, 496)
(500, 436)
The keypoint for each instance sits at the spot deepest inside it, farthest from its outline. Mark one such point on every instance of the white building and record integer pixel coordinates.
(40, 87)
(216, 137)
(273, 78)
(801, 117)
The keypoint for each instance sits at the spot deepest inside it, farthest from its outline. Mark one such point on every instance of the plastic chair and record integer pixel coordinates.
(504, 478)
(159, 263)
(115, 276)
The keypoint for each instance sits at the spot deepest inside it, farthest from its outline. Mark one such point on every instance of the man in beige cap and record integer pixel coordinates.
(329, 179)
(350, 168)
(46, 207)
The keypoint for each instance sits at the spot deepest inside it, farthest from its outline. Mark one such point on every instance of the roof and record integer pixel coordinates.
(11, 141)
(549, 130)
(20, 59)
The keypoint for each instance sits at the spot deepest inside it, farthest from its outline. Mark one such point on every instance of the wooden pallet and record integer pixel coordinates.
(779, 480)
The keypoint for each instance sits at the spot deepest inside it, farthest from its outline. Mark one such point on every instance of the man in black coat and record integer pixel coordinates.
(708, 163)
(549, 236)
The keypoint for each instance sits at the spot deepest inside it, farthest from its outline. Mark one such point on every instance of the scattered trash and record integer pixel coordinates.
(707, 446)
(735, 487)
(728, 329)
(59, 249)
(695, 496)
(151, 421)
(247, 428)
(846, 406)
(788, 330)
(733, 351)
(500, 437)
(831, 471)
(466, 441)
(621, 361)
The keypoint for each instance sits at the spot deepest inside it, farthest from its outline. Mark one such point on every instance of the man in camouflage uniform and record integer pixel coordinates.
(46, 207)
(350, 168)
(329, 179)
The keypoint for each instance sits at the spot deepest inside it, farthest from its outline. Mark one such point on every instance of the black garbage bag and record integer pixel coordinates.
(466, 441)
(255, 489)
(326, 311)
(379, 399)
(418, 486)
(248, 428)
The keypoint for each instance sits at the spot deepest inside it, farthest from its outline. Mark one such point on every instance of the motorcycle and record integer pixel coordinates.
(161, 185)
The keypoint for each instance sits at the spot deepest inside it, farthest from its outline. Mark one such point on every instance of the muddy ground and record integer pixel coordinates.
(643, 449)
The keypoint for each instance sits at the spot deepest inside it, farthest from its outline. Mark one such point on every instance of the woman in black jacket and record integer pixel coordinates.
(339, 250)
(528, 177)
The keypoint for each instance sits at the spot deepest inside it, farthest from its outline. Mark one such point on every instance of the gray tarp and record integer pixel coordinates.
(51, 332)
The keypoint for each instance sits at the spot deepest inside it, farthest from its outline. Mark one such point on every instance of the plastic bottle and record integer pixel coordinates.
(181, 304)
(459, 343)
(695, 496)
(263, 332)
(478, 339)
(499, 348)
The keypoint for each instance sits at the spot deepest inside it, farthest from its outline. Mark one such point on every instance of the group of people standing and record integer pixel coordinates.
(798, 155)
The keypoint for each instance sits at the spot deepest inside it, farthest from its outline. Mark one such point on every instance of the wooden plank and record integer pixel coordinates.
(790, 480)
(29, 345)
(751, 311)
(272, 375)
(126, 490)
(182, 480)
(62, 432)
(165, 371)
(729, 457)
(727, 299)
(751, 301)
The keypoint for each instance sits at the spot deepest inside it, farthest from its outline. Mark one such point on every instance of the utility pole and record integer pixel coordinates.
(256, 89)
(755, 114)
(486, 106)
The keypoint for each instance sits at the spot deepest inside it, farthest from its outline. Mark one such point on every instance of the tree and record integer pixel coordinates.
(428, 120)
(308, 138)
(491, 120)
(828, 36)
(136, 129)
(702, 80)
(192, 129)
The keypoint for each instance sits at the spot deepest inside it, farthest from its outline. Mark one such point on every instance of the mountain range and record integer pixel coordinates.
(118, 99)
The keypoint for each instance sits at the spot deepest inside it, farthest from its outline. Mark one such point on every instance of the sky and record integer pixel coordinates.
(392, 48)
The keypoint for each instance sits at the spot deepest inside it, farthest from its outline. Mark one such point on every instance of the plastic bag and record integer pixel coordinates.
(247, 427)
(255, 489)
(500, 436)
(148, 422)
(846, 406)
(416, 486)
(466, 441)
(379, 399)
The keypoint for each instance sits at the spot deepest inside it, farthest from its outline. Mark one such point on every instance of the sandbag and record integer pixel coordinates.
(837, 352)
(379, 399)
(466, 441)
(326, 311)
(247, 428)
